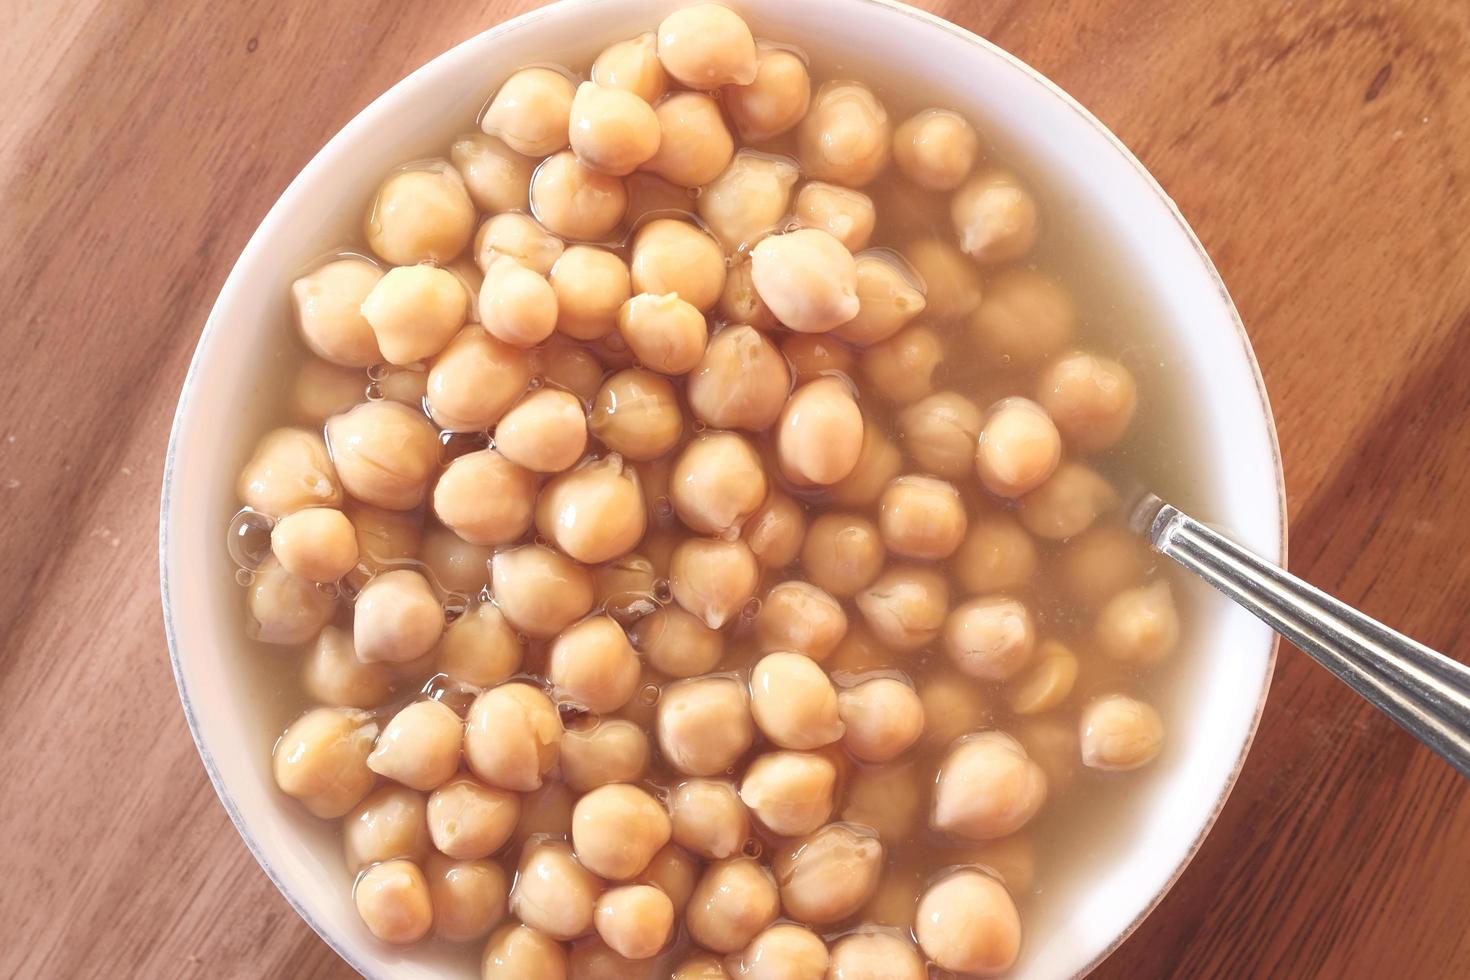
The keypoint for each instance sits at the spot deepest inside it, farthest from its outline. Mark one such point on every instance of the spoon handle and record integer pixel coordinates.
(1425, 692)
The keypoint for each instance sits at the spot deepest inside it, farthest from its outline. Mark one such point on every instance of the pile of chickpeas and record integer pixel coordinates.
(685, 584)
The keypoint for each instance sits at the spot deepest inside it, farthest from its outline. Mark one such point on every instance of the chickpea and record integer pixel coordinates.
(829, 875)
(322, 760)
(328, 303)
(905, 607)
(637, 414)
(405, 384)
(540, 591)
(813, 356)
(545, 812)
(496, 177)
(887, 301)
(936, 149)
(775, 100)
(1101, 562)
(875, 956)
(1120, 733)
(990, 638)
(594, 513)
(531, 112)
(626, 582)
(414, 312)
(1091, 398)
(793, 702)
(675, 256)
(576, 201)
(785, 952)
(1019, 448)
(1138, 626)
(469, 820)
(819, 436)
(694, 143)
(591, 285)
(860, 652)
(901, 368)
(611, 751)
(843, 213)
(1067, 503)
(633, 66)
(480, 648)
(516, 951)
(485, 498)
(1024, 319)
(717, 483)
(470, 279)
(316, 544)
(800, 618)
(1048, 681)
(842, 554)
(396, 618)
(664, 332)
(677, 643)
(517, 304)
(469, 897)
(807, 278)
(393, 900)
(322, 389)
(996, 554)
(951, 281)
(968, 923)
(844, 137)
(713, 579)
(995, 217)
(887, 798)
(388, 824)
(386, 539)
(634, 920)
(553, 892)
(921, 517)
(879, 463)
(883, 717)
(546, 432)
(988, 787)
(953, 705)
(940, 432)
(740, 303)
(617, 829)
(674, 872)
(704, 725)
(331, 673)
(420, 746)
(703, 967)
(749, 198)
(511, 737)
(289, 470)
(706, 46)
(593, 664)
(741, 382)
(734, 900)
(708, 818)
(422, 215)
(474, 380)
(520, 237)
(385, 454)
(791, 793)
(776, 530)
(613, 131)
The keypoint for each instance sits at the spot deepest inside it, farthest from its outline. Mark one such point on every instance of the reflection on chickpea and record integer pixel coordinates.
(613, 131)
(593, 664)
(717, 483)
(322, 389)
(553, 892)
(1025, 318)
(322, 760)
(741, 382)
(807, 278)
(674, 256)
(939, 432)
(791, 793)
(706, 46)
(694, 143)
(474, 380)
(591, 285)
(531, 112)
(713, 579)
(317, 544)
(1019, 447)
(995, 217)
(540, 591)
(844, 137)
(968, 923)
(594, 513)
(1091, 398)
(708, 818)
(637, 414)
(485, 498)
(414, 312)
(469, 897)
(988, 787)
(793, 702)
(936, 149)
(800, 618)
(393, 900)
(520, 237)
(469, 820)
(990, 638)
(820, 433)
(887, 798)
(635, 920)
(617, 829)
(664, 332)
(511, 737)
(328, 304)
(901, 368)
(1101, 562)
(704, 725)
(1139, 626)
(516, 951)
(843, 213)
(331, 673)
(632, 66)
(815, 355)
(887, 301)
(396, 618)
(829, 875)
(1067, 503)
(423, 215)
(613, 750)
(677, 643)
(388, 824)
(496, 176)
(775, 100)
(479, 648)
(574, 200)
(883, 717)
(749, 198)
(420, 746)
(776, 530)
(517, 304)
(842, 553)
(785, 952)
(905, 606)
(1119, 733)
(289, 470)
(546, 432)
(734, 900)
(385, 454)
(740, 303)
(674, 872)
(875, 956)
(921, 517)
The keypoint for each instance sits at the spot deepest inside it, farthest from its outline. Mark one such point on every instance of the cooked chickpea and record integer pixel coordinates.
(706, 46)
(860, 652)
(936, 149)
(322, 760)
(901, 368)
(807, 278)
(887, 798)
(842, 553)
(322, 389)
(997, 553)
(591, 285)
(883, 717)
(1048, 681)
(595, 513)
(951, 280)
(739, 303)
(1091, 398)
(995, 217)
(405, 384)
(829, 875)
(819, 436)
(741, 382)
(775, 100)
(790, 793)
(814, 355)
(905, 606)
(568, 365)
(613, 750)
(875, 956)
(708, 818)
(940, 432)
(545, 812)
(531, 112)
(553, 892)
(420, 746)
(617, 829)
(516, 951)
(717, 483)
(546, 432)
(749, 198)
(414, 311)
(517, 304)
(469, 897)
(968, 923)
(637, 414)
(990, 638)
(785, 952)
(674, 872)
(613, 131)
(879, 463)
(385, 454)
(636, 921)
(396, 618)
(390, 823)
(540, 591)
(386, 539)
(289, 470)
(776, 530)
(793, 702)
(664, 332)
(843, 213)
(632, 66)
(485, 498)
(574, 200)
(474, 380)
(1025, 318)
(694, 142)
(734, 900)
(422, 215)
(800, 618)
(593, 664)
(1067, 503)
(1101, 562)
(921, 517)
(511, 737)
(331, 673)
(1139, 626)
(953, 705)
(468, 820)
(987, 788)
(1019, 448)
(479, 648)
(520, 237)
(674, 256)
(713, 579)
(702, 967)
(496, 177)
(844, 137)
(677, 643)
(704, 725)
(317, 544)
(393, 900)
(887, 301)
(328, 303)
(1119, 733)
(470, 278)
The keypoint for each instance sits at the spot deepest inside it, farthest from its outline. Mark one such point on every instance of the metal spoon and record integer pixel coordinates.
(1425, 692)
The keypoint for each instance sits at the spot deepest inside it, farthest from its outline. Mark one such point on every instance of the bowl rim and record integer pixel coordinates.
(212, 328)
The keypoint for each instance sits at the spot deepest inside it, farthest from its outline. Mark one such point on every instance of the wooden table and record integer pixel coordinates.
(1320, 149)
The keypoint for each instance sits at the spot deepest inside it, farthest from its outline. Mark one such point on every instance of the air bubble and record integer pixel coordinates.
(751, 609)
(662, 591)
(648, 696)
(663, 506)
(328, 589)
(249, 541)
(753, 848)
(379, 371)
(455, 605)
(699, 425)
(374, 392)
(347, 590)
(244, 577)
(536, 382)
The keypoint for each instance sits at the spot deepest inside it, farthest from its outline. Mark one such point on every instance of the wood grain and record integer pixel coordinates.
(1321, 151)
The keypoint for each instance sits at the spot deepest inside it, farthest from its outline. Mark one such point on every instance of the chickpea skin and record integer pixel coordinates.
(322, 760)
(708, 818)
(469, 897)
(791, 793)
(496, 177)
(328, 303)
(520, 237)
(951, 280)
(613, 131)
(331, 673)
(474, 380)
(1091, 398)
(393, 900)
(469, 820)
(636, 413)
(633, 66)
(674, 256)
(553, 892)
(511, 737)
(634, 920)
(1067, 503)
(1120, 733)
(776, 530)
(593, 664)
(936, 149)
(423, 215)
(995, 217)
(921, 517)
(828, 875)
(988, 787)
(1019, 448)
(485, 498)
(677, 643)
(819, 435)
(713, 579)
(516, 951)
(388, 824)
(704, 725)
(612, 751)
(749, 198)
(540, 591)
(990, 638)
(664, 332)
(1024, 318)
(517, 304)
(807, 278)
(785, 952)
(843, 213)
(591, 285)
(694, 142)
(396, 618)
(385, 454)
(717, 483)
(845, 136)
(706, 46)
(887, 300)
(480, 648)
(617, 829)
(289, 470)
(420, 746)
(546, 432)
(734, 900)
(800, 618)
(532, 112)
(842, 554)
(317, 544)
(901, 368)
(883, 717)
(1139, 626)
(741, 382)
(905, 607)
(385, 539)
(414, 311)
(793, 702)
(875, 956)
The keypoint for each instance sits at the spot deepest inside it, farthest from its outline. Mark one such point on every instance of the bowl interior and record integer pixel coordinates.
(1223, 682)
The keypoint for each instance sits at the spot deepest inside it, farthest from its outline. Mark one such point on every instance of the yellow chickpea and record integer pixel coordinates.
(553, 892)
(887, 301)
(613, 131)
(717, 483)
(1091, 398)
(531, 112)
(635, 921)
(469, 820)
(613, 750)
(396, 618)
(882, 717)
(713, 579)
(545, 813)
(474, 380)
(331, 673)
(995, 217)
(593, 664)
(694, 142)
(734, 900)
(517, 304)
(968, 923)
(1019, 447)
(567, 365)
(511, 737)
(905, 606)
(705, 46)
(289, 470)
(386, 539)
(800, 618)
(776, 530)
(704, 725)
(921, 517)
(414, 311)
(328, 303)
(485, 498)
(951, 280)
(321, 760)
(1138, 626)
(574, 200)
(791, 793)
(793, 702)
(807, 278)
(940, 432)
(594, 513)
(875, 956)
(708, 818)
(936, 149)
(1024, 318)
(842, 553)
(829, 875)
(393, 900)
(540, 591)
(665, 333)
(1101, 562)
(496, 177)
(676, 642)
(775, 100)
(406, 384)
(813, 356)
(385, 454)
(901, 368)
(819, 435)
(636, 413)
(317, 544)
(674, 256)
(419, 747)
(469, 897)
(322, 389)
(749, 198)
(591, 285)
(1067, 504)
(389, 823)
(860, 652)
(845, 136)
(633, 66)
(520, 237)
(990, 638)
(996, 554)
(741, 382)
(617, 829)
(480, 648)
(987, 788)
(674, 872)
(1120, 733)
(545, 433)
(422, 215)
(879, 463)
(516, 951)
(785, 952)
(888, 798)
(1046, 683)
(843, 213)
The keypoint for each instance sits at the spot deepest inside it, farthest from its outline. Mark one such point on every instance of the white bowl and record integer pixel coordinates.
(1228, 669)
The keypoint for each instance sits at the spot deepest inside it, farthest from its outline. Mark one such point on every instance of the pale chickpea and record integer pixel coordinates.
(328, 303)
(774, 101)
(419, 747)
(386, 539)
(511, 737)
(713, 579)
(331, 673)
(776, 530)
(633, 66)
(664, 332)
(951, 280)
(953, 705)
(469, 897)
(808, 279)
(828, 875)
(1101, 562)
(553, 892)
(636, 413)
(815, 355)
(717, 483)
(497, 177)
(842, 553)
(545, 812)
(414, 311)
(546, 432)
(785, 952)
(704, 725)
(322, 760)
(905, 606)
(968, 923)
(996, 554)
(531, 111)
(995, 217)
(469, 820)
(790, 793)
(1120, 733)
(517, 304)
(516, 951)
(674, 872)
(474, 380)
(613, 750)
(591, 285)
(990, 638)
(879, 463)
(289, 469)
(390, 823)
(674, 256)
(613, 131)
(705, 46)
(322, 389)
(1025, 318)
(594, 513)
(819, 435)
(540, 591)
(749, 198)
(675, 642)
(575, 201)
(396, 618)
(1091, 398)
(702, 967)
(480, 648)
(921, 517)
(987, 788)
(592, 664)
(845, 136)
(888, 798)
(520, 237)
(936, 149)
(887, 300)
(843, 213)
(793, 702)
(1019, 447)
(421, 215)
(883, 717)
(568, 365)
(800, 618)
(708, 818)
(617, 829)
(385, 454)
(939, 433)
(1067, 504)
(734, 900)
(901, 368)
(393, 900)
(875, 956)
(485, 498)
(741, 382)
(317, 543)
(1046, 683)
(694, 142)
(1138, 626)
(636, 921)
